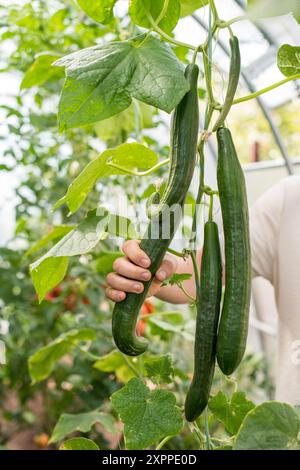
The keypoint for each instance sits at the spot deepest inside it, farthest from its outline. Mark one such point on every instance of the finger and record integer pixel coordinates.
(115, 295)
(131, 248)
(154, 288)
(167, 268)
(126, 285)
(125, 267)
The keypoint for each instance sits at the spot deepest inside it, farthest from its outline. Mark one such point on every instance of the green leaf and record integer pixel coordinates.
(50, 269)
(289, 60)
(230, 412)
(104, 263)
(269, 426)
(42, 362)
(130, 156)
(140, 9)
(99, 10)
(269, 8)
(41, 71)
(116, 363)
(148, 416)
(167, 322)
(56, 21)
(56, 232)
(82, 422)
(160, 369)
(110, 362)
(48, 274)
(102, 80)
(189, 6)
(114, 128)
(79, 443)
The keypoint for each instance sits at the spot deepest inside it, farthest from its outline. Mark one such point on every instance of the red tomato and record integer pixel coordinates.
(70, 301)
(140, 328)
(42, 440)
(49, 296)
(56, 291)
(53, 294)
(147, 308)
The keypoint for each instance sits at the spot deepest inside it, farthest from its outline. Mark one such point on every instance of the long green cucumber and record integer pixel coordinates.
(163, 224)
(234, 77)
(208, 311)
(233, 328)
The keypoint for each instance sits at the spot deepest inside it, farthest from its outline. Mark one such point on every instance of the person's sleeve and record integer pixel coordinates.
(265, 216)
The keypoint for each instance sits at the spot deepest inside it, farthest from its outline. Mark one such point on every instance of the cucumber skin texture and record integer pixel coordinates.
(233, 328)
(183, 150)
(208, 312)
(234, 77)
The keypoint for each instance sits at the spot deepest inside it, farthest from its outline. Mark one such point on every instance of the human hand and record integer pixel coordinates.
(132, 269)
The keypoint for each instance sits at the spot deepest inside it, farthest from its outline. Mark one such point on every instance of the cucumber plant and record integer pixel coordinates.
(141, 68)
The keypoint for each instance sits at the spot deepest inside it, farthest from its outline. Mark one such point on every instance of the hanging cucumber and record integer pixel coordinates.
(208, 311)
(233, 328)
(183, 149)
(234, 76)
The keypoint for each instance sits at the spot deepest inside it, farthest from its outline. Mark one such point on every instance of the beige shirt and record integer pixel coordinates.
(275, 242)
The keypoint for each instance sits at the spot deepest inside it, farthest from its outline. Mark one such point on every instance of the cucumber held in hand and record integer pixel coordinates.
(208, 311)
(233, 328)
(183, 149)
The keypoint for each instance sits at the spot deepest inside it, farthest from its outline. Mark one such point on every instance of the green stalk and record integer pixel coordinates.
(214, 10)
(163, 442)
(266, 90)
(211, 206)
(131, 367)
(226, 24)
(163, 12)
(206, 427)
(139, 173)
(168, 38)
(174, 252)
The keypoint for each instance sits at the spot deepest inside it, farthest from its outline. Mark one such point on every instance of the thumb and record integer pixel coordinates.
(167, 268)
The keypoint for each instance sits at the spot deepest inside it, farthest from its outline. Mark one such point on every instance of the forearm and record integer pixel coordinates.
(176, 295)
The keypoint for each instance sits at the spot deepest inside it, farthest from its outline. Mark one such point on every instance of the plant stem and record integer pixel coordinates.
(206, 427)
(176, 253)
(234, 20)
(139, 173)
(168, 38)
(199, 434)
(207, 71)
(211, 206)
(193, 236)
(266, 90)
(214, 10)
(163, 12)
(197, 276)
(201, 189)
(131, 366)
(186, 293)
(163, 442)
(89, 355)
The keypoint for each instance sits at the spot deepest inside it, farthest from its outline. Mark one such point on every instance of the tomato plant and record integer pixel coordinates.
(116, 74)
